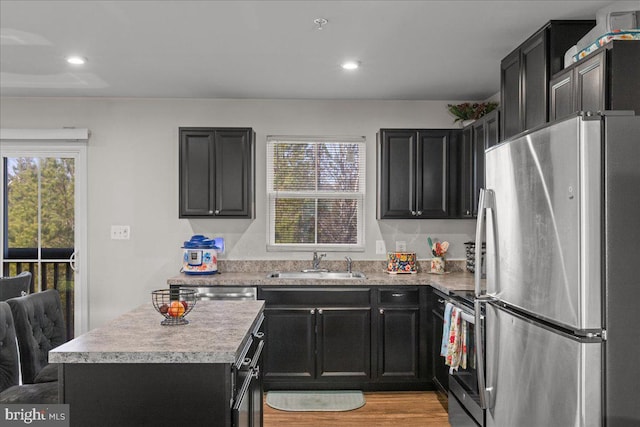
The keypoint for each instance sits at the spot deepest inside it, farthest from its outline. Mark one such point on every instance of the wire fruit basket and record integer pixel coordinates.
(174, 305)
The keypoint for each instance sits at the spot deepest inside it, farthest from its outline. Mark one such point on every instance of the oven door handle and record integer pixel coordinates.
(483, 391)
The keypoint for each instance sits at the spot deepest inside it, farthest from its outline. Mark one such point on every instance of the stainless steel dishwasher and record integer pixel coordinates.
(214, 293)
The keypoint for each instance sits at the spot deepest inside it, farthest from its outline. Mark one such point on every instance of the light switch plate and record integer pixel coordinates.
(120, 232)
(401, 246)
(380, 249)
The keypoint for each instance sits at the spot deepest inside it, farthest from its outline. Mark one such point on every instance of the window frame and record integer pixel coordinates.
(358, 196)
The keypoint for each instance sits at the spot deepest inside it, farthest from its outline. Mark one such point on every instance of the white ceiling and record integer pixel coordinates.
(422, 50)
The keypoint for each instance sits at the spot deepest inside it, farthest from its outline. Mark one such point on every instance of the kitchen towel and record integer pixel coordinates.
(454, 347)
(445, 329)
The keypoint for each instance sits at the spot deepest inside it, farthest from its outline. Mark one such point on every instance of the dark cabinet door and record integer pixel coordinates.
(398, 347)
(510, 94)
(415, 173)
(562, 93)
(466, 172)
(479, 141)
(590, 84)
(233, 164)
(290, 343)
(492, 125)
(433, 174)
(196, 173)
(535, 79)
(344, 343)
(216, 172)
(396, 173)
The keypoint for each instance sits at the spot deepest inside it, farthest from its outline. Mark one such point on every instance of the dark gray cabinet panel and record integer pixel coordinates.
(344, 342)
(602, 81)
(216, 172)
(398, 346)
(525, 74)
(476, 138)
(416, 173)
(317, 337)
(290, 351)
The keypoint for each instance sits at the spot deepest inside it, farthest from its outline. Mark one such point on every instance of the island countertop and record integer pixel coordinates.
(216, 333)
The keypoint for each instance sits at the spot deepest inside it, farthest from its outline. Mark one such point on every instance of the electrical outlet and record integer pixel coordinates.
(401, 246)
(120, 232)
(380, 249)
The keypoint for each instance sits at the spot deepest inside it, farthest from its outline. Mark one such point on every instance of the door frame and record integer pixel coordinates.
(69, 142)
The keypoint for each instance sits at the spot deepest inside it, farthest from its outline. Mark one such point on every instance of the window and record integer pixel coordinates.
(316, 188)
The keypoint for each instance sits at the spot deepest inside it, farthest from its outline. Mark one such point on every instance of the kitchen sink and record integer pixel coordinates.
(323, 275)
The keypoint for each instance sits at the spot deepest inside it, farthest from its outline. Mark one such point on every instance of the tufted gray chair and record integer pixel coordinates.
(15, 286)
(40, 327)
(10, 391)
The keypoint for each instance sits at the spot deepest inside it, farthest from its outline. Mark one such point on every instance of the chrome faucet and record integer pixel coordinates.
(349, 261)
(316, 260)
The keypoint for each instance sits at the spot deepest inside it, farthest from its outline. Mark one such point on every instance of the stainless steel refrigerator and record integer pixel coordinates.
(561, 219)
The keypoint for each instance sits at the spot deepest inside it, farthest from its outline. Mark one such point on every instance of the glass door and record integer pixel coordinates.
(43, 217)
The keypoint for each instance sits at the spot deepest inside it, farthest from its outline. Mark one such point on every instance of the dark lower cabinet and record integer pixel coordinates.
(346, 338)
(316, 337)
(216, 172)
(601, 81)
(398, 345)
(440, 371)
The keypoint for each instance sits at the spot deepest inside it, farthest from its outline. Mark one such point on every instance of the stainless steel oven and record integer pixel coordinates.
(464, 399)
(247, 386)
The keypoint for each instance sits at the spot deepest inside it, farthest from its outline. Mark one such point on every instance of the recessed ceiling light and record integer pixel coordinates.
(351, 65)
(76, 60)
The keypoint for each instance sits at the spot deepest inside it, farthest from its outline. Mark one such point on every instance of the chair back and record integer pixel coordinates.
(9, 372)
(40, 327)
(15, 286)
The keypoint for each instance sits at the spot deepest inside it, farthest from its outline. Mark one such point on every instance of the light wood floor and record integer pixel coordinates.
(399, 409)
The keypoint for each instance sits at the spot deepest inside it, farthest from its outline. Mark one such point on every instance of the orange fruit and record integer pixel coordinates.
(176, 309)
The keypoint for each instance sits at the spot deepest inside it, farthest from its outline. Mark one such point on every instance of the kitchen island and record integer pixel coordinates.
(133, 371)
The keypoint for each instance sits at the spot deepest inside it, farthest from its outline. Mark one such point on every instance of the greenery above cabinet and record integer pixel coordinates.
(216, 172)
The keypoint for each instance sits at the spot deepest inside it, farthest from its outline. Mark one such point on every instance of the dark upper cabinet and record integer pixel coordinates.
(216, 172)
(417, 173)
(525, 74)
(476, 137)
(604, 80)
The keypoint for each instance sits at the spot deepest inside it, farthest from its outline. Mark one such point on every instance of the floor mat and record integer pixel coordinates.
(317, 400)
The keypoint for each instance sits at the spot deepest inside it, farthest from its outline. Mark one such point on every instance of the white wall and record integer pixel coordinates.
(133, 180)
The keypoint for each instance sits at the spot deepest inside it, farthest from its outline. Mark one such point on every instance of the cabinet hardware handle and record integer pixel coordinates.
(210, 212)
(413, 213)
(419, 213)
(312, 311)
(382, 311)
(259, 335)
(440, 300)
(397, 295)
(468, 212)
(246, 361)
(320, 311)
(217, 211)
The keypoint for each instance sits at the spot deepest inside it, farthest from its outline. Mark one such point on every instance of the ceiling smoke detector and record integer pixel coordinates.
(320, 22)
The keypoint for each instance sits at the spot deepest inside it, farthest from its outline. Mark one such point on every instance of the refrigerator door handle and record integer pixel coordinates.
(483, 391)
(485, 202)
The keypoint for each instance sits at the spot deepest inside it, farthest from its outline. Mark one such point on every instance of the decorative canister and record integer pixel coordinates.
(437, 265)
(401, 262)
